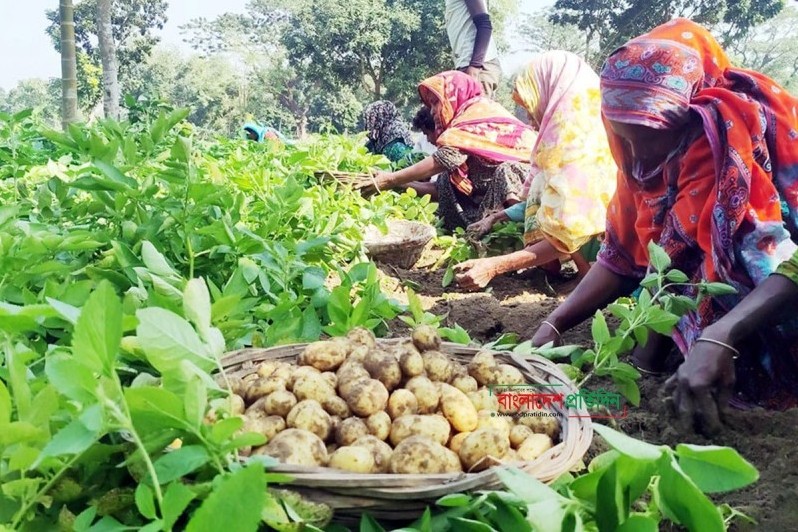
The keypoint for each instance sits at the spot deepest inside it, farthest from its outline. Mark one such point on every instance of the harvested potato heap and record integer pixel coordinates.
(353, 405)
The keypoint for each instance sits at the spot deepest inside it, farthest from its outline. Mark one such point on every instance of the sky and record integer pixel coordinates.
(23, 24)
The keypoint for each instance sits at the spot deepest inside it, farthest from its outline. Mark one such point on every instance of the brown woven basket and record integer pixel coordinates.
(402, 246)
(397, 497)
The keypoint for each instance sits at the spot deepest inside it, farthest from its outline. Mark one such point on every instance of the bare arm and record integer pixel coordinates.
(756, 309)
(479, 14)
(599, 288)
(418, 172)
(531, 256)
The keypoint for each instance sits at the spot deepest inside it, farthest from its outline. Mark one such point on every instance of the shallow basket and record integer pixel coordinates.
(402, 246)
(405, 497)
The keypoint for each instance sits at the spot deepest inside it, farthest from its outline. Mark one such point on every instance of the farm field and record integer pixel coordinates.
(133, 256)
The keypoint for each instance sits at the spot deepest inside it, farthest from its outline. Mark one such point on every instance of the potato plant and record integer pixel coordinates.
(634, 486)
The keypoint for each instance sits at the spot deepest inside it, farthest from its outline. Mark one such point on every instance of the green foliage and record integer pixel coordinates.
(636, 486)
(132, 259)
(608, 24)
(133, 26)
(656, 309)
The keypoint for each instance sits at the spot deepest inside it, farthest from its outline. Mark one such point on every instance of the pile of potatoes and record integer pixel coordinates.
(353, 405)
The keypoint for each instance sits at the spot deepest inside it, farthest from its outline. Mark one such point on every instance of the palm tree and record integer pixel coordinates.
(69, 76)
(108, 57)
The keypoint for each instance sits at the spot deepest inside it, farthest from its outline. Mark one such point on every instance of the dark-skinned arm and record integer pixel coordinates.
(756, 309)
(418, 172)
(702, 386)
(479, 15)
(599, 288)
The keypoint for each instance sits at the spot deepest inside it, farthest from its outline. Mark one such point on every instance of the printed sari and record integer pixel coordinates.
(474, 124)
(724, 203)
(573, 173)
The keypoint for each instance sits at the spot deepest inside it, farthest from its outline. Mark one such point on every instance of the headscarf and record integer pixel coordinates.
(264, 132)
(572, 167)
(719, 203)
(474, 124)
(384, 125)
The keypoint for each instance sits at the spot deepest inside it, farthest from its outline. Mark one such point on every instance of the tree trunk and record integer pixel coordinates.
(108, 57)
(69, 68)
(302, 125)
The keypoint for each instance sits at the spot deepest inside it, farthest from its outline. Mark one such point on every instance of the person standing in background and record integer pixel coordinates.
(471, 36)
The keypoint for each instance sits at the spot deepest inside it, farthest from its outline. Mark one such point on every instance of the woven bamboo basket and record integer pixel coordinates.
(402, 246)
(356, 180)
(405, 497)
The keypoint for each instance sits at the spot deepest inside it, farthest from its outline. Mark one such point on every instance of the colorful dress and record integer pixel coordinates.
(573, 174)
(483, 147)
(389, 135)
(724, 203)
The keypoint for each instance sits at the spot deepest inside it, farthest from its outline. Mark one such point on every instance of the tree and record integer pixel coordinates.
(607, 24)
(327, 58)
(43, 96)
(108, 58)
(539, 34)
(771, 49)
(133, 23)
(69, 77)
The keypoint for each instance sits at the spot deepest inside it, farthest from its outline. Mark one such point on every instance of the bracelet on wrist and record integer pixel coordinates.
(734, 351)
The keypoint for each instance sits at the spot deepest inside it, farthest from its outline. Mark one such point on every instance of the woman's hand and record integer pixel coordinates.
(477, 273)
(479, 229)
(544, 335)
(701, 388)
(380, 181)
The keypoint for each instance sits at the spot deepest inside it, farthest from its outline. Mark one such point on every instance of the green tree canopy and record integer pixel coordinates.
(133, 24)
(607, 24)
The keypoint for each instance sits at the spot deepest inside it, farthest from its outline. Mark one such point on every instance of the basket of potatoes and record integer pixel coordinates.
(389, 426)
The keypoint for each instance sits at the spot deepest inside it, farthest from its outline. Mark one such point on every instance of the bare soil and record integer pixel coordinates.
(517, 303)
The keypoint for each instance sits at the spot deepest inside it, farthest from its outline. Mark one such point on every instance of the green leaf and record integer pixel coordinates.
(509, 517)
(627, 445)
(98, 331)
(145, 501)
(621, 484)
(179, 463)
(716, 469)
(683, 503)
(68, 312)
(73, 379)
(454, 500)
(599, 329)
(5, 405)
(658, 257)
(225, 429)
(628, 388)
(197, 304)
(612, 499)
(661, 321)
(167, 339)
(470, 525)
(313, 278)
(70, 440)
(369, 524)
(718, 289)
(526, 487)
(638, 523)
(620, 311)
(241, 494)
(195, 401)
(155, 410)
(641, 335)
(175, 500)
(155, 261)
(677, 276)
(115, 175)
